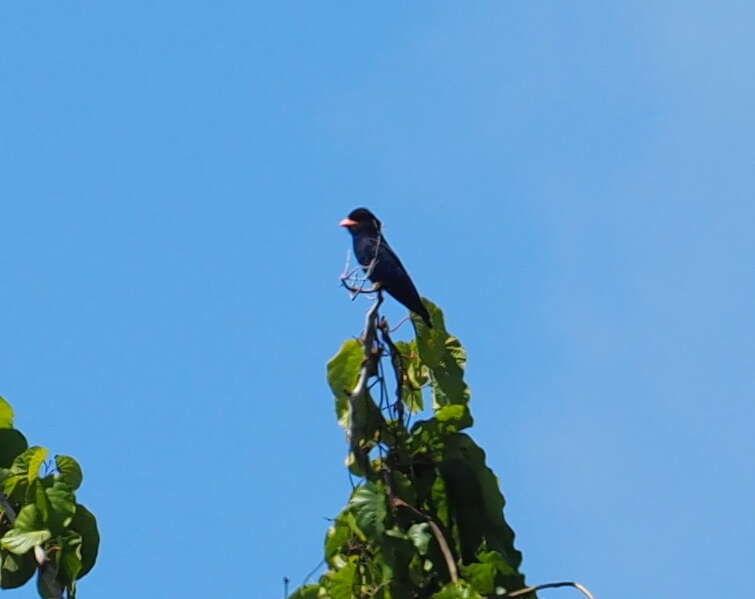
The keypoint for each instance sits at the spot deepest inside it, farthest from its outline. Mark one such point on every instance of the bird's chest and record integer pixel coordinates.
(375, 255)
(366, 249)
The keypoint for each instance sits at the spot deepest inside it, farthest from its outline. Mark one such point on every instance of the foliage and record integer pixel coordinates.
(427, 519)
(42, 527)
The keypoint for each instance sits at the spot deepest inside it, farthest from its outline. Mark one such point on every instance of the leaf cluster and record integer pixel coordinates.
(427, 519)
(42, 527)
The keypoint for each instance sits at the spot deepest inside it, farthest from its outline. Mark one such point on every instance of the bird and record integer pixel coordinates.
(380, 262)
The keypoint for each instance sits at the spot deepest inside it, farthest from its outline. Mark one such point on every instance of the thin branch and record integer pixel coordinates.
(348, 274)
(444, 548)
(356, 291)
(550, 585)
(311, 572)
(368, 370)
(398, 366)
(400, 323)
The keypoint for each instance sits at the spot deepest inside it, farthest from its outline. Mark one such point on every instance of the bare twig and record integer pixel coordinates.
(356, 291)
(549, 585)
(368, 370)
(442, 543)
(400, 323)
(398, 366)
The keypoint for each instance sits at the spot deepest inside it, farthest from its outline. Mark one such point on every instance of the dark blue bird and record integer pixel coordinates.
(370, 246)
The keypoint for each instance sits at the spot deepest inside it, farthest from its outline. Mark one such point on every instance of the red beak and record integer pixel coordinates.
(347, 222)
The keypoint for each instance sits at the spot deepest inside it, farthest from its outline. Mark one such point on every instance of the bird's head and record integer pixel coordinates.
(361, 220)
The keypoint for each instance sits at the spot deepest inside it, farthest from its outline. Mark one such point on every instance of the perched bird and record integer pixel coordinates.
(380, 262)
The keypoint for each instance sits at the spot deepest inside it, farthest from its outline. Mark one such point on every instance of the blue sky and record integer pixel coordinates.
(573, 184)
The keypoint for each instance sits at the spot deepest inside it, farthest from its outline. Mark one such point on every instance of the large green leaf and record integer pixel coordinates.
(70, 559)
(37, 457)
(12, 444)
(27, 464)
(395, 556)
(477, 504)
(36, 494)
(445, 357)
(85, 524)
(24, 470)
(6, 414)
(28, 518)
(415, 376)
(337, 536)
(342, 581)
(69, 471)
(369, 508)
(16, 569)
(19, 542)
(62, 505)
(343, 372)
(28, 530)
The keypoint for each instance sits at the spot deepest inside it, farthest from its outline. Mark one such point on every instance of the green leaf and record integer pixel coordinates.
(28, 518)
(484, 574)
(476, 505)
(395, 557)
(19, 542)
(445, 357)
(347, 517)
(420, 536)
(27, 464)
(36, 495)
(440, 500)
(12, 444)
(36, 459)
(342, 581)
(415, 376)
(69, 471)
(481, 577)
(457, 590)
(369, 508)
(456, 417)
(343, 372)
(6, 414)
(337, 536)
(23, 471)
(62, 505)
(85, 524)
(70, 560)
(28, 530)
(16, 570)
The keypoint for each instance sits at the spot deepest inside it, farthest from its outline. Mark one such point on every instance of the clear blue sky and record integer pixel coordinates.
(573, 183)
